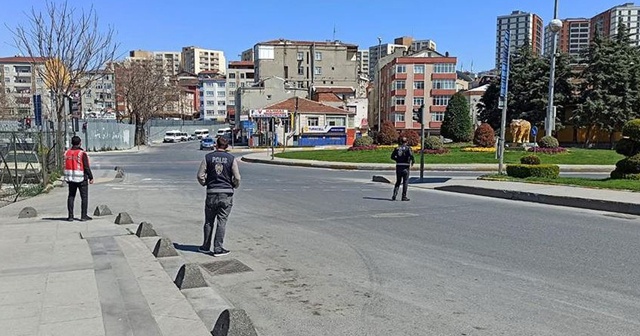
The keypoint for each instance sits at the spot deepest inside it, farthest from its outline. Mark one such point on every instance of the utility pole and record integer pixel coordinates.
(554, 26)
(377, 78)
(273, 136)
(418, 115)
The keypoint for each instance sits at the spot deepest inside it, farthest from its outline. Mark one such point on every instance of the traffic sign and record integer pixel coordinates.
(504, 66)
(534, 130)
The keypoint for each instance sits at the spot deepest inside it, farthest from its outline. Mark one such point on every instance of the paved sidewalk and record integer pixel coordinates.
(265, 157)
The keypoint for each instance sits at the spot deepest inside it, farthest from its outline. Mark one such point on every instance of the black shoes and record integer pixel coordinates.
(393, 198)
(220, 253)
(404, 199)
(201, 249)
(85, 218)
(70, 219)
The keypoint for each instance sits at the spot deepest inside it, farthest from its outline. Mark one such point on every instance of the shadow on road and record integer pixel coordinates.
(416, 180)
(62, 219)
(187, 248)
(377, 198)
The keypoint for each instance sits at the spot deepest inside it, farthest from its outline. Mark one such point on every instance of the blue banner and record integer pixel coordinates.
(37, 109)
(504, 66)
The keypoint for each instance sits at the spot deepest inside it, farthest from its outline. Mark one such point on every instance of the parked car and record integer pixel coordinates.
(207, 143)
(201, 133)
(25, 166)
(224, 131)
(172, 136)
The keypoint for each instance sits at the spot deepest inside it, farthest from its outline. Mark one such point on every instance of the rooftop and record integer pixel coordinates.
(306, 43)
(22, 59)
(307, 106)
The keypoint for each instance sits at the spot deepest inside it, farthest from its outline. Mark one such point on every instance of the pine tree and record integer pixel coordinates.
(488, 109)
(457, 124)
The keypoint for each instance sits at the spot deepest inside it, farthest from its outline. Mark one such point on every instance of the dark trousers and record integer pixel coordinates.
(217, 208)
(84, 197)
(402, 177)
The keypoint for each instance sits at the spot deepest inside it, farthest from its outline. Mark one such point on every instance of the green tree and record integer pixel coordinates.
(610, 91)
(488, 110)
(457, 124)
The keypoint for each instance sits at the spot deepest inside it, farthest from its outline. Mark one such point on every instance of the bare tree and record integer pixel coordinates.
(73, 44)
(143, 90)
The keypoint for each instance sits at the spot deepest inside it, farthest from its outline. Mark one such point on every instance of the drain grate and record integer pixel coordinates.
(225, 267)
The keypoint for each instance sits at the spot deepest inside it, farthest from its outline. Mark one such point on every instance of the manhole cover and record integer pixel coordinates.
(225, 267)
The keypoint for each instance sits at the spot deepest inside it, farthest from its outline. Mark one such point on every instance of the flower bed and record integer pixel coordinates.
(363, 148)
(436, 151)
(548, 150)
(414, 148)
(478, 149)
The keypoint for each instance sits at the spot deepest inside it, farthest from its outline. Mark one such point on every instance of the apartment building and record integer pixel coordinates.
(380, 51)
(21, 78)
(196, 60)
(363, 62)
(524, 28)
(166, 61)
(98, 99)
(573, 38)
(305, 64)
(247, 55)
(239, 74)
(213, 95)
(407, 82)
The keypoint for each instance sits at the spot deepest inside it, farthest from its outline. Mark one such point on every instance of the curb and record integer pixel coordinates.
(391, 167)
(574, 202)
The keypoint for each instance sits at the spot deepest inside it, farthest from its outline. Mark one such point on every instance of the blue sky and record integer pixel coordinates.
(464, 28)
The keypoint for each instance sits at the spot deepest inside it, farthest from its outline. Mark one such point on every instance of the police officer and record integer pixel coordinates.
(403, 156)
(78, 176)
(220, 174)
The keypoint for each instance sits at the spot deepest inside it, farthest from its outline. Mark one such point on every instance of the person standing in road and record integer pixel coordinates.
(78, 176)
(220, 174)
(403, 156)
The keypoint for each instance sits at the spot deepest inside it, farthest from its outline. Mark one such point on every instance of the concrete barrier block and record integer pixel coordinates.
(102, 210)
(146, 230)
(123, 218)
(28, 212)
(380, 178)
(190, 276)
(164, 248)
(234, 322)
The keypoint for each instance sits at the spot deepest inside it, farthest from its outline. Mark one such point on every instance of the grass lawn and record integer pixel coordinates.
(576, 156)
(632, 185)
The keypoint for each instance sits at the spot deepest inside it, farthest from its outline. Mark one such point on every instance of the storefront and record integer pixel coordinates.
(323, 136)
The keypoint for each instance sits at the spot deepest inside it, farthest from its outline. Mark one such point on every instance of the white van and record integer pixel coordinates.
(172, 136)
(201, 133)
(223, 131)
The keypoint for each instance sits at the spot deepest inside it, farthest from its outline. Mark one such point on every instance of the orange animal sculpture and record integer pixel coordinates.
(520, 130)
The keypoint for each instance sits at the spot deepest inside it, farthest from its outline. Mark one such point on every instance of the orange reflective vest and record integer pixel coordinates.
(73, 165)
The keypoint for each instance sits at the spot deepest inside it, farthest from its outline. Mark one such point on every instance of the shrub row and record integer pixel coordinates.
(436, 151)
(548, 150)
(524, 171)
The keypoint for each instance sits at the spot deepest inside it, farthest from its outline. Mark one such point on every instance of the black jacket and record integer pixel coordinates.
(403, 156)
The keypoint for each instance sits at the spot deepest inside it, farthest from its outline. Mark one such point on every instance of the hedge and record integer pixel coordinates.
(524, 171)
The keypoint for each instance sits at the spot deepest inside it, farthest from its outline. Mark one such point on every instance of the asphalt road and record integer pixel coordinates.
(331, 255)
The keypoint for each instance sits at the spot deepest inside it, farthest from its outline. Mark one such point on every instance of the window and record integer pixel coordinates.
(210, 93)
(221, 94)
(313, 121)
(301, 70)
(444, 84)
(318, 56)
(444, 68)
(398, 117)
(300, 56)
(437, 116)
(232, 76)
(211, 102)
(232, 93)
(221, 103)
(265, 52)
(221, 85)
(7, 79)
(418, 85)
(399, 85)
(401, 69)
(417, 101)
(317, 70)
(418, 68)
(336, 121)
(398, 100)
(232, 103)
(231, 85)
(301, 84)
(441, 100)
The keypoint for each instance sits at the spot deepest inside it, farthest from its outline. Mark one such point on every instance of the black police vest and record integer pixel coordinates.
(219, 172)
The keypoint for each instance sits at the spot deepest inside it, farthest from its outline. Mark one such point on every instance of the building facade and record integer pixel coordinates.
(378, 52)
(304, 64)
(525, 28)
(168, 62)
(197, 60)
(606, 23)
(20, 79)
(98, 99)
(408, 82)
(363, 62)
(213, 96)
(573, 38)
(239, 74)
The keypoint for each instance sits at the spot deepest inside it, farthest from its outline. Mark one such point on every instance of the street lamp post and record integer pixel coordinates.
(378, 68)
(554, 26)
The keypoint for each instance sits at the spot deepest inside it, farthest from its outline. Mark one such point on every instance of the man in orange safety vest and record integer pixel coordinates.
(78, 176)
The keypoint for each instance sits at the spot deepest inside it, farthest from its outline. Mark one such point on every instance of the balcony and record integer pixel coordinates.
(399, 92)
(437, 108)
(399, 76)
(444, 76)
(443, 92)
(399, 108)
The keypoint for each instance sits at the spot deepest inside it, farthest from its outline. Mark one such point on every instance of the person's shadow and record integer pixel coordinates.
(187, 248)
(377, 198)
(416, 180)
